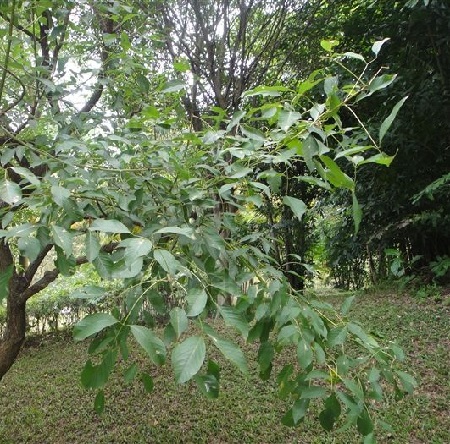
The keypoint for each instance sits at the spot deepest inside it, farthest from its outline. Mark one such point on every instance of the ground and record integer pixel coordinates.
(42, 401)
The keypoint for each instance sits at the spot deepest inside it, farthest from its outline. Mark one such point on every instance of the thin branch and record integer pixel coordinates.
(19, 27)
(8, 49)
(19, 99)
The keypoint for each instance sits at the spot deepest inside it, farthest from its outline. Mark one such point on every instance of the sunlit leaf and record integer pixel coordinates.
(10, 192)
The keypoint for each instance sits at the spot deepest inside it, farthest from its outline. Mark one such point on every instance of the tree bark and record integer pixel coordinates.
(14, 335)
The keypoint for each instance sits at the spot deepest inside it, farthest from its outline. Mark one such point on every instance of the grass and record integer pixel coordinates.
(42, 401)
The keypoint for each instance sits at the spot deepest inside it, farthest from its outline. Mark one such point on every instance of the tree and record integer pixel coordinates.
(138, 190)
(394, 218)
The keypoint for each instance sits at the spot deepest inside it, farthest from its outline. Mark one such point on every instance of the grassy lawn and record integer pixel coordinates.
(42, 401)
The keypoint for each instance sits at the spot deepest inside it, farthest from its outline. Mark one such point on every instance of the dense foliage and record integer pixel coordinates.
(405, 215)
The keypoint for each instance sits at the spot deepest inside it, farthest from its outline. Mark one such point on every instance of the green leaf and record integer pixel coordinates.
(179, 321)
(376, 47)
(233, 318)
(331, 412)
(345, 307)
(296, 413)
(304, 354)
(109, 39)
(92, 324)
(208, 385)
(65, 264)
(88, 292)
(240, 171)
(266, 354)
(328, 45)
(253, 133)
(366, 339)
(265, 91)
(297, 206)
(354, 55)
(186, 231)
(370, 439)
(181, 65)
(63, 239)
(135, 247)
(147, 380)
(22, 230)
(173, 86)
(357, 212)
(196, 301)
(335, 175)
(313, 392)
(108, 226)
(5, 277)
(231, 352)
(381, 82)
(92, 246)
(60, 194)
(153, 346)
(30, 247)
(125, 41)
(130, 373)
(389, 119)
(380, 158)
(94, 376)
(10, 192)
(287, 118)
(104, 265)
(235, 119)
(337, 336)
(167, 261)
(408, 382)
(187, 358)
(342, 365)
(143, 83)
(99, 402)
(364, 423)
(27, 174)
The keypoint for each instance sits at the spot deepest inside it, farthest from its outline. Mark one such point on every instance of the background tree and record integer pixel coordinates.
(394, 217)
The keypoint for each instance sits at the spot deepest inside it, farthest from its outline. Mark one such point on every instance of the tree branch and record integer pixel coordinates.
(19, 27)
(33, 267)
(50, 276)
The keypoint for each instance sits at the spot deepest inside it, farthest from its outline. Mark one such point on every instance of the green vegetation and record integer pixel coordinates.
(42, 402)
(175, 176)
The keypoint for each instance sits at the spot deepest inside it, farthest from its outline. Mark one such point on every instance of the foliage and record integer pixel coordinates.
(402, 210)
(156, 205)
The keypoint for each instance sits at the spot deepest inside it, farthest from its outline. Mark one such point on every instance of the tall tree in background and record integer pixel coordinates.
(397, 214)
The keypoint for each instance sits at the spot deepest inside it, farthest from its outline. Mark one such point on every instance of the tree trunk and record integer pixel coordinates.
(14, 334)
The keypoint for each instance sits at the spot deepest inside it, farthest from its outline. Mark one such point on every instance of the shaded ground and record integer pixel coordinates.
(41, 399)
